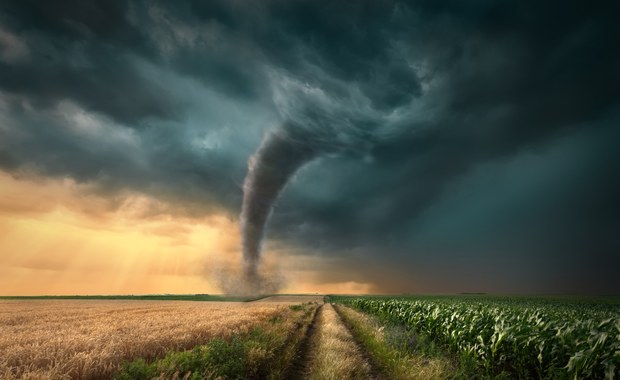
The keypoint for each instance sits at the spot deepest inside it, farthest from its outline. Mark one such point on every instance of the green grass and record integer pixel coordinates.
(230, 359)
(143, 297)
(400, 353)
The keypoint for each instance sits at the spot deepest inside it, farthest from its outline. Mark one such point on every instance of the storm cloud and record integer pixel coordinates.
(475, 141)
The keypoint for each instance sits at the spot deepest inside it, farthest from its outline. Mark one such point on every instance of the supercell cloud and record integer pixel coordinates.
(456, 146)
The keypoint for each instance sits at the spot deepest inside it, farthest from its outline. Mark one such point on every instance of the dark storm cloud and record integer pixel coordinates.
(82, 51)
(410, 103)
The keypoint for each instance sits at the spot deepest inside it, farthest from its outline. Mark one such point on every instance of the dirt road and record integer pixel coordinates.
(330, 351)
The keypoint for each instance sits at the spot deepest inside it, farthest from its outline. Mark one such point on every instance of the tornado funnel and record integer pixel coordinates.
(269, 170)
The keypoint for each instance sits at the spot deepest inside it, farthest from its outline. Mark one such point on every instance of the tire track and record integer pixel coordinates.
(330, 351)
(297, 369)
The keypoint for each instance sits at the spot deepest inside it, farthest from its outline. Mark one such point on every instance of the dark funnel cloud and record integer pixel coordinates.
(269, 170)
(451, 139)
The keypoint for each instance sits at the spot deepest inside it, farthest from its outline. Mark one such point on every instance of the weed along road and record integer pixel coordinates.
(328, 350)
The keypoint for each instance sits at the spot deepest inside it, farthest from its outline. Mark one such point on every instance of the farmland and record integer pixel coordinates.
(513, 337)
(91, 339)
(300, 337)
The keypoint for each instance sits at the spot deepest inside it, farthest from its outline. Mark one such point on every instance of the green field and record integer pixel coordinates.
(508, 337)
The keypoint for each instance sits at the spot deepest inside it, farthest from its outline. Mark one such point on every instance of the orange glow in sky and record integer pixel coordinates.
(57, 237)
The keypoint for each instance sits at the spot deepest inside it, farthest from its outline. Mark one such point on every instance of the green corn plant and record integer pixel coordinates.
(528, 338)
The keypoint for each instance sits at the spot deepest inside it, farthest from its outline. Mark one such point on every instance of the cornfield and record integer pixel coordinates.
(520, 338)
(91, 339)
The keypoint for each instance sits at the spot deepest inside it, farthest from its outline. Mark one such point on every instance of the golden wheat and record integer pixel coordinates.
(78, 339)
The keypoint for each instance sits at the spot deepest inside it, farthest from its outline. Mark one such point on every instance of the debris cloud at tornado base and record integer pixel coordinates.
(231, 278)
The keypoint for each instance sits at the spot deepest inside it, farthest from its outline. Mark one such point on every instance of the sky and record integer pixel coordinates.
(425, 147)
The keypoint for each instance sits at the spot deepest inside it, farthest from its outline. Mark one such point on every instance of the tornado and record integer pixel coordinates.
(315, 123)
(281, 154)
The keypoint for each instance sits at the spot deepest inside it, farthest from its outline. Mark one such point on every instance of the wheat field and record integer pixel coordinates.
(79, 339)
